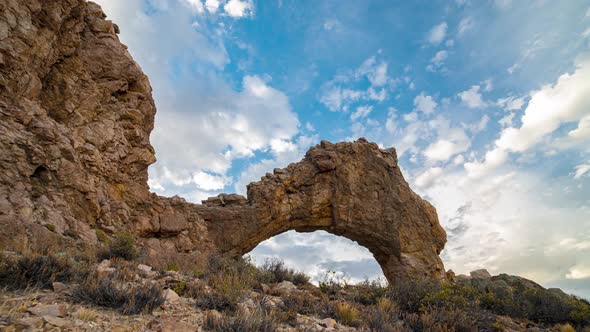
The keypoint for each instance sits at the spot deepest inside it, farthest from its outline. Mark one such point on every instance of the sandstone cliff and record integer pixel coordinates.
(75, 116)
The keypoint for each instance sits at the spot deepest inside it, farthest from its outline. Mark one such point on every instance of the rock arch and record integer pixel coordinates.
(355, 190)
(76, 113)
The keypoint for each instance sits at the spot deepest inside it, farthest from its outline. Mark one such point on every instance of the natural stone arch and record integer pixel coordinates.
(76, 113)
(355, 190)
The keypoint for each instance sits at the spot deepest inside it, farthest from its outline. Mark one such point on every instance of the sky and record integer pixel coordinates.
(487, 103)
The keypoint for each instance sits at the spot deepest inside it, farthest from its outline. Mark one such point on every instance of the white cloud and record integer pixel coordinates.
(581, 170)
(586, 33)
(579, 271)
(212, 5)
(437, 34)
(208, 181)
(478, 126)
(507, 120)
(511, 103)
(339, 93)
(472, 97)
(566, 101)
(239, 8)
(440, 56)
(437, 61)
(361, 112)
(465, 25)
(450, 141)
(390, 123)
(493, 159)
(424, 103)
(429, 177)
(197, 5)
(375, 72)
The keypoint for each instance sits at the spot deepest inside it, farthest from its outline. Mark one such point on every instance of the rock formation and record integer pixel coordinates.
(75, 116)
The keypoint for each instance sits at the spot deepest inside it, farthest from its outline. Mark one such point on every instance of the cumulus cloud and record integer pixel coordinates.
(429, 177)
(238, 8)
(568, 100)
(232, 123)
(450, 141)
(472, 97)
(438, 33)
(424, 103)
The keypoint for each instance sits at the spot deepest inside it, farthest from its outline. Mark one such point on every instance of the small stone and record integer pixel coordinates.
(284, 287)
(104, 268)
(170, 295)
(54, 310)
(30, 323)
(481, 274)
(328, 323)
(56, 321)
(144, 268)
(59, 287)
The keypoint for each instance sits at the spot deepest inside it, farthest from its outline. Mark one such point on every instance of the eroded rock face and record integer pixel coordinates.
(75, 116)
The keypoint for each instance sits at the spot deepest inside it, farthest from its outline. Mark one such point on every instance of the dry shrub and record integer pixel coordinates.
(259, 320)
(347, 314)
(274, 271)
(33, 271)
(111, 291)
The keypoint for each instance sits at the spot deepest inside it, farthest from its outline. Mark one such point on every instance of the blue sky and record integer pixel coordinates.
(487, 103)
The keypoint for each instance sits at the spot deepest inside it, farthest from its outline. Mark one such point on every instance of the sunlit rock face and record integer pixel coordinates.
(75, 116)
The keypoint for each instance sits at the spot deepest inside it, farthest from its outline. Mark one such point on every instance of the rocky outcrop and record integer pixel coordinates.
(75, 116)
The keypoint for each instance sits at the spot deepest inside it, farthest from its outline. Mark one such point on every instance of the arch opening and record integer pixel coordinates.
(320, 255)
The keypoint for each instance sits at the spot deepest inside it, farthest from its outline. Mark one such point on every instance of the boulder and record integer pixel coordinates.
(481, 274)
(53, 310)
(170, 295)
(283, 288)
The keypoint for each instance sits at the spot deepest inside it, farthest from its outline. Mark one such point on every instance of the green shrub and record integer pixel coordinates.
(112, 292)
(368, 292)
(121, 246)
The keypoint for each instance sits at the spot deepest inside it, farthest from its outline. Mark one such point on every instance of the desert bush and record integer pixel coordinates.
(451, 296)
(274, 271)
(439, 319)
(228, 279)
(410, 294)
(382, 316)
(111, 291)
(121, 246)
(367, 292)
(34, 271)
(347, 314)
(259, 320)
(332, 283)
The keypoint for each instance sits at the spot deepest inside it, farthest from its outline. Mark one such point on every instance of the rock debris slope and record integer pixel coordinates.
(76, 113)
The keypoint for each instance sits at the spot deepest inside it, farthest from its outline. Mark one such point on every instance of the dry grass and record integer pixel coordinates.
(347, 314)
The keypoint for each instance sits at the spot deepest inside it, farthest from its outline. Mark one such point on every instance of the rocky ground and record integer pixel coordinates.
(66, 293)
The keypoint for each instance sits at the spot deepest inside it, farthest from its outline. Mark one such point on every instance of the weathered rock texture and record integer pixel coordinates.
(75, 116)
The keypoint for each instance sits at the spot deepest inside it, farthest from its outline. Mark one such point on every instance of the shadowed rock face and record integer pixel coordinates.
(75, 117)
